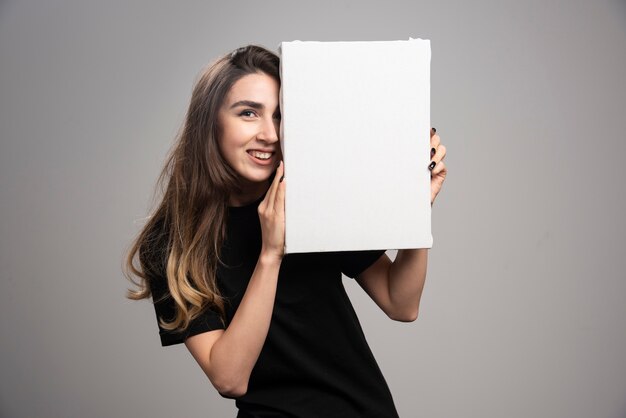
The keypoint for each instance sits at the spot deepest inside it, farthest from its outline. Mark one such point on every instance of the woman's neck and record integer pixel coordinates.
(249, 195)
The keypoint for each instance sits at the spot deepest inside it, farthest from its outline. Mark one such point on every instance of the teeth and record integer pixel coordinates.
(261, 155)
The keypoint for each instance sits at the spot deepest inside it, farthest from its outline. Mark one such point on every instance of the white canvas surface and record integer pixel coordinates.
(355, 136)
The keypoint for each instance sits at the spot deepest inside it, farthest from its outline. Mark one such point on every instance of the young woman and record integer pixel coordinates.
(276, 333)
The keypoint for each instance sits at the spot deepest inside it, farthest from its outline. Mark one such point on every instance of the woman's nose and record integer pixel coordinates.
(269, 130)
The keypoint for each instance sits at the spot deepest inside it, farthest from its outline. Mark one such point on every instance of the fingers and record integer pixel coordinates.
(436, 157)
(272, 192)
(279, 206)
(436, 164)
(440, 153)
(434, 140)
(434, 143)
(441, 166)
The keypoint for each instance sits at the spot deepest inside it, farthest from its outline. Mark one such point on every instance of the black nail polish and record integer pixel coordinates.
(281, 179)
(432, 165)
(432, 151)
(434, 130)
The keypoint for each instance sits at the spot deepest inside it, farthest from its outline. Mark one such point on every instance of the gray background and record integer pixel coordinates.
(524, 306)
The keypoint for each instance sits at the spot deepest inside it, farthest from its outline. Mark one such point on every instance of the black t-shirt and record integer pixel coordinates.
(315, 361)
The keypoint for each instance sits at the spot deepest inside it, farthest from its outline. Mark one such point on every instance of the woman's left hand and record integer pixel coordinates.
(437, 168)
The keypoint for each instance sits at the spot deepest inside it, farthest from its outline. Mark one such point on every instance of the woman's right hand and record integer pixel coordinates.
(272, 216)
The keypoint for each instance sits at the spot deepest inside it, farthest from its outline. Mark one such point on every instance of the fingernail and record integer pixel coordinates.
(434, 130)
(281, 179)
(432, 165)
(432, 152)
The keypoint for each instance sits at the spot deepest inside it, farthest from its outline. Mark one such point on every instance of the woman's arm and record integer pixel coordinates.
(228, 362)
(407, 275)
(396, 287)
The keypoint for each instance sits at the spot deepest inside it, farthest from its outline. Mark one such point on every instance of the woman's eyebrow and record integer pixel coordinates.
(250, 103)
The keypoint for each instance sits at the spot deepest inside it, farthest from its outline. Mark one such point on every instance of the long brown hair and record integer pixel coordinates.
(182, 238)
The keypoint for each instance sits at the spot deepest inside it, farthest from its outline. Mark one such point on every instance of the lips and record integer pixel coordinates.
(269, 161)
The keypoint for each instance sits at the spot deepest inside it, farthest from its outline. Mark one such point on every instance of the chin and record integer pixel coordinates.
(259, 177)
(251, 173)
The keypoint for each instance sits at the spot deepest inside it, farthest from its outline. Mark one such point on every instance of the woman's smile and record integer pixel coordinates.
(256, 157)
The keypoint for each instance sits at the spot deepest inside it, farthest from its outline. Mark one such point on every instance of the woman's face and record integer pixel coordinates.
(250, 121)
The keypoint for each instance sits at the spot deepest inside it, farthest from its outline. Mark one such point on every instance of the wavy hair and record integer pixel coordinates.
(182, 238)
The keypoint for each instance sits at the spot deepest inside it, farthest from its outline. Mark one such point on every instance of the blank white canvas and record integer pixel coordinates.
(355, 136)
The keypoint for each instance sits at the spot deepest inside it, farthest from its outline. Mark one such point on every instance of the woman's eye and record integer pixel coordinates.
(245, 112)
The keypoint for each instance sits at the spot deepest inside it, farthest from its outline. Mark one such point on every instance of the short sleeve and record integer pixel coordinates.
(353, 263)
(209, 320)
